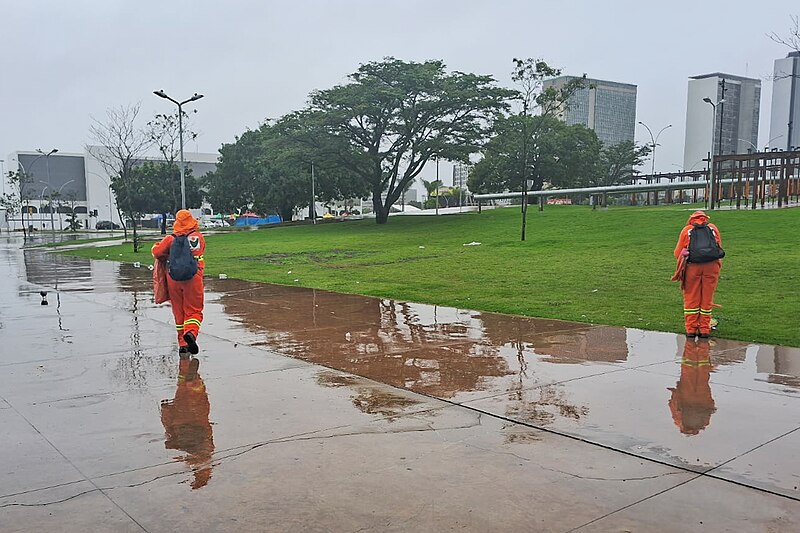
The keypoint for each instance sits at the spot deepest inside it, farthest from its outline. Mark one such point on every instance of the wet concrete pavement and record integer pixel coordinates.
(312, 411)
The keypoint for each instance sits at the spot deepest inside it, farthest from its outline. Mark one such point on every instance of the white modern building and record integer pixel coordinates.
(607, 107)
(722, 112)
(784, 126)
(80, 181)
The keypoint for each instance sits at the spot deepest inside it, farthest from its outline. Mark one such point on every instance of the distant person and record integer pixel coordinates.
(691, 403)
(698, 251)
(183, 251)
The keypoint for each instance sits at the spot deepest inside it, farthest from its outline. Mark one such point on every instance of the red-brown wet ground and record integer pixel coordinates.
(409, 417)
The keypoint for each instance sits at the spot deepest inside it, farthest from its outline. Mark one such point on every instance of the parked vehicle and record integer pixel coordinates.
(214, 224)
(106, 224)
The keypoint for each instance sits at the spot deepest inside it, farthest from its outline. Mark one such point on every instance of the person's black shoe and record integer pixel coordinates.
(191, 343)
(690, 335)
(183, 352)
(704, 335)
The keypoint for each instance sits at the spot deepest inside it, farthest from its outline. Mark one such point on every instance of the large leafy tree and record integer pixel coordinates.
(269, 170)
(232, 186)
(542, 149)
(393, 117)
(154, 187)
(617, 164)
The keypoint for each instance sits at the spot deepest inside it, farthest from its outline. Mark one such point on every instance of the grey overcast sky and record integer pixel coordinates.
(65, 61)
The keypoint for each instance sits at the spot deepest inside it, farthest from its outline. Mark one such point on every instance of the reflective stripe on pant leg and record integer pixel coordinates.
(193, 304)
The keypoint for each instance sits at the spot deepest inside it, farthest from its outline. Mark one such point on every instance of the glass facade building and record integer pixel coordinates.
(607, 107)
(730, 126)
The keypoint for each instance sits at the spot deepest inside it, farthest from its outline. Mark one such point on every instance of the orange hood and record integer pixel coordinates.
(185, 223)
(698, 217)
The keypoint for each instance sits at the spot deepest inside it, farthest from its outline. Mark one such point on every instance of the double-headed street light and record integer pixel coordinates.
(654, 143)
(195, 96)
(47, 161)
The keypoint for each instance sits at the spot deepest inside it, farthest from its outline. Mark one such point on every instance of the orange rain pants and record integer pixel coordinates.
(698, 295)
(186, 298)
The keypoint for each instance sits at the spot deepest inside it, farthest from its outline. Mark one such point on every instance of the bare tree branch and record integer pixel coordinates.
(792, 39)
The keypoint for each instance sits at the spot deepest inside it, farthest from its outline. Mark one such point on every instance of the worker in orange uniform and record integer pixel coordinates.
(183, 251)
(186, 424)
(700, 246)
(691, 403)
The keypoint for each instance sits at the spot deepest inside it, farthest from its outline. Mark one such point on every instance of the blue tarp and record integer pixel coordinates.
(251, 221)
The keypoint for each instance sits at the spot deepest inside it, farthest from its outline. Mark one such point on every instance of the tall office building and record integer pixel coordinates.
(729, 126)
(607, 107)
(784, 126)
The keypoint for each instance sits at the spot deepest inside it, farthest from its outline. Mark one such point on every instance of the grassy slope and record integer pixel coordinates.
(606, 267)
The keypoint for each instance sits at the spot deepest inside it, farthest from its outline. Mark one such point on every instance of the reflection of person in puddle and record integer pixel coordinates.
(186, 424)
(691, 403)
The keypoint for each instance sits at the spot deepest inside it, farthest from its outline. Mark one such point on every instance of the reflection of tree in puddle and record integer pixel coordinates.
(370, 399)
(186, 424)
(542, 405)
(561, 342)
(401, 344)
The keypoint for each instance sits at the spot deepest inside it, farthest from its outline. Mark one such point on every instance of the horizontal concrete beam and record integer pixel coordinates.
(642, 187)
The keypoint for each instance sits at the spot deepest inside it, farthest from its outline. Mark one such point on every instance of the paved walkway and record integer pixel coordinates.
(312, 411)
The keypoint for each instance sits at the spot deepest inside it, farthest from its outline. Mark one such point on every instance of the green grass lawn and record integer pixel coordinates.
(604, 267)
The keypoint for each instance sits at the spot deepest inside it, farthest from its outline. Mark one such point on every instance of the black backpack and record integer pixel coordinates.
(703, 246)
(182, 264)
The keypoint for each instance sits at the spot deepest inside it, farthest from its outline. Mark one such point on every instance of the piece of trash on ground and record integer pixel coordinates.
(473, 243)
(223, 276)
(137, 264)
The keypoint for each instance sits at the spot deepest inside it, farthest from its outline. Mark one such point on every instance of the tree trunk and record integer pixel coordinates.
(286, 213)
(135, 236)
(381, 211)
(121, 221)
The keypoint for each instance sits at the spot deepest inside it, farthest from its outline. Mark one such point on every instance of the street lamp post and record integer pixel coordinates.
(195, 96)
(58, 195)
(654, 143)
(313, 197)
(47, 162)
(22, 199)
(712, 174)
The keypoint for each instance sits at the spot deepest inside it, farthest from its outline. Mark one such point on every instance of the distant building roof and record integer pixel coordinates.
(593, 81)
(725, 76)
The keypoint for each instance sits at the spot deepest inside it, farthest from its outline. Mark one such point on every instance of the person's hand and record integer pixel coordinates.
(684, 252)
